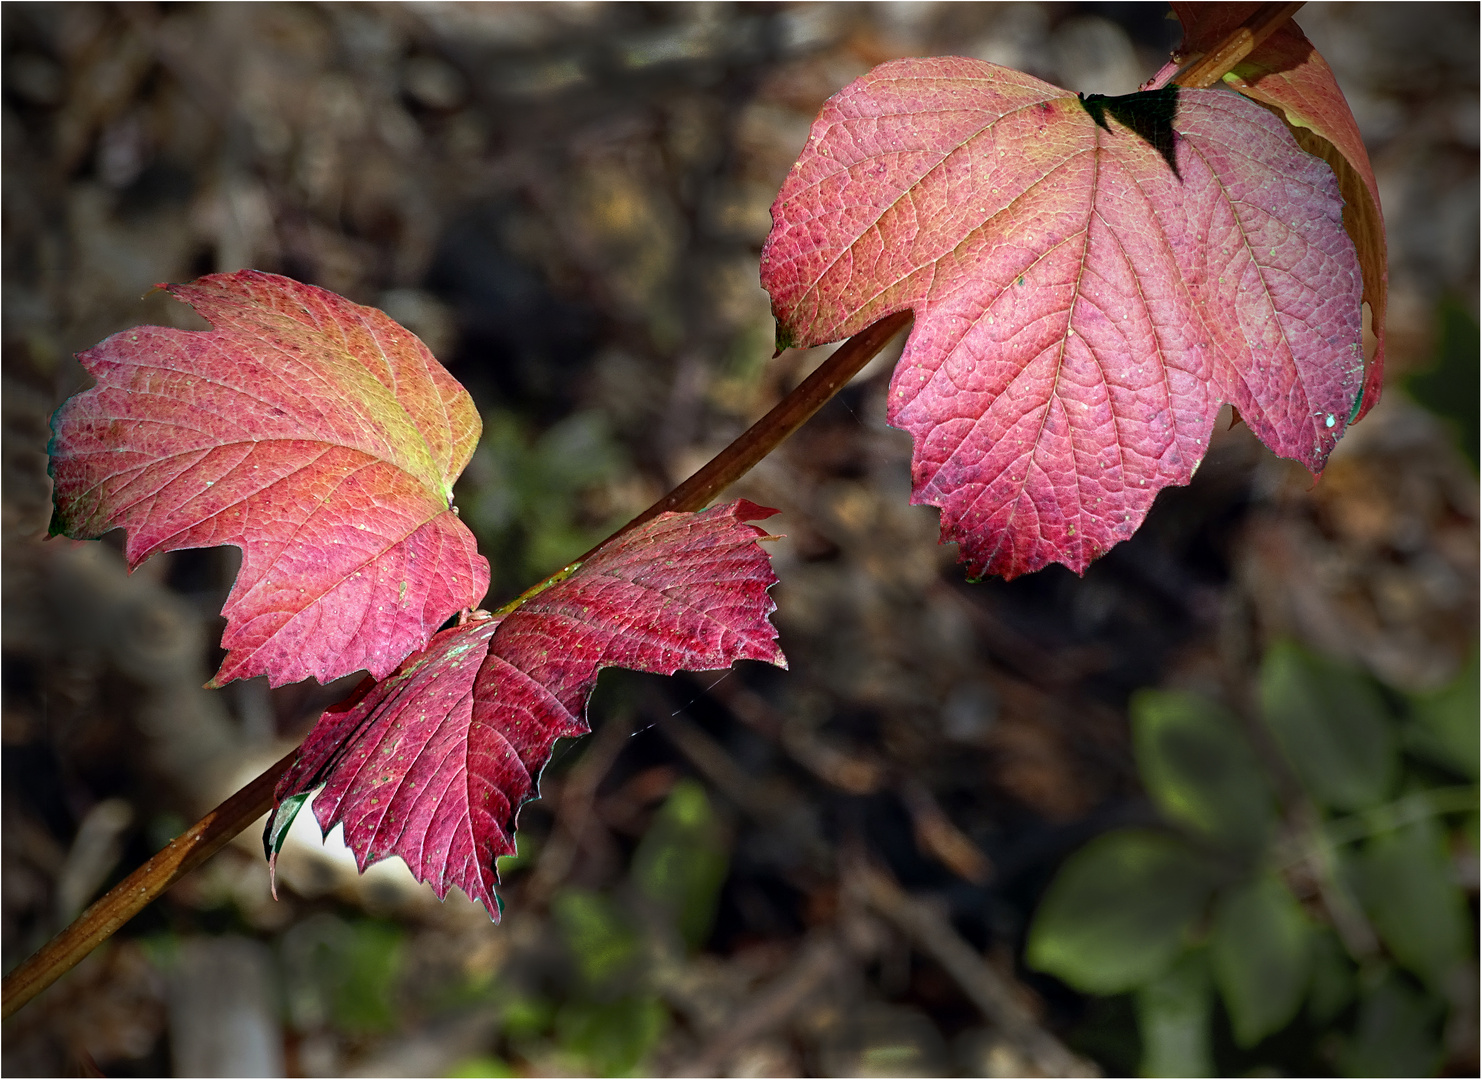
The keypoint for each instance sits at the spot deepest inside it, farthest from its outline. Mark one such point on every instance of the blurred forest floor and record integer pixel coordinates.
(567, 203)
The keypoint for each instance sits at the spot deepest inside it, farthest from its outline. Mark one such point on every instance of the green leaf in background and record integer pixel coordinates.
(1261, 954)
(1395, 1034)
(525, 1017)
(343, 973)
(1331, 724)
(681, 862)
(527, 848)
(1404, 880)
(1333, 978)
(1449, 387)
(1200, 769)
(612, 1038)
(523, 496)
(1119, 910)
(483, 1065)
(599, 937)
(1444, 724)
(1173, 1017)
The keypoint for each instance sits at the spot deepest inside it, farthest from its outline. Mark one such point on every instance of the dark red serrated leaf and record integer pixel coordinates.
(318, 436)
(433, 763)
(1081, 310)
(1286, 73)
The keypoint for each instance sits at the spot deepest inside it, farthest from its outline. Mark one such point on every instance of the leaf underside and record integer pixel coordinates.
(318, 436)
(433, 763)
(1082, 307)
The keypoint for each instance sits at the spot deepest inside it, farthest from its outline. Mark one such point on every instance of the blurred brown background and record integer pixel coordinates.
(567, 203)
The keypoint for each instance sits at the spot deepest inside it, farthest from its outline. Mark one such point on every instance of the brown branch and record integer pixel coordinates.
(1212, 66)
(789, 414)
(130, 896)
(207, 836)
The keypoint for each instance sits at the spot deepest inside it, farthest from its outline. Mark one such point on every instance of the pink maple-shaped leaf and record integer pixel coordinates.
(433, 763)
(1287, 74)
(318, 436)
(1090, 279)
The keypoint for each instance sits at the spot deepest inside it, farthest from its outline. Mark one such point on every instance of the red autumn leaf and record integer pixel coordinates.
(318, 436)
(433, 763)
(1081, 308)
(1288, 75)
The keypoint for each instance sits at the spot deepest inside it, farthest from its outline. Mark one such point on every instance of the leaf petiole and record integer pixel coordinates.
(535, 590)
(1211, 67)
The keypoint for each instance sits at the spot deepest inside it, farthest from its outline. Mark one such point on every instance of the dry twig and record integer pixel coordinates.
(771, 1007)
(994, 995)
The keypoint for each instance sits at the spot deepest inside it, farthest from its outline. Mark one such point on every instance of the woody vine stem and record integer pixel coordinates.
(208, 835)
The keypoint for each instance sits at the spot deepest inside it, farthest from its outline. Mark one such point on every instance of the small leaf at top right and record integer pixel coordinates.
(1290, 77)
(1332, 726)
